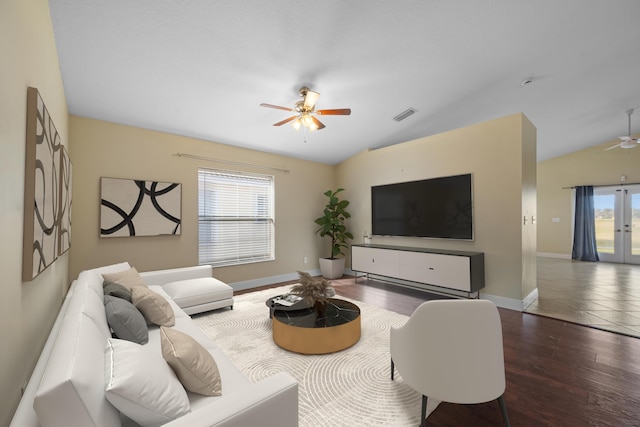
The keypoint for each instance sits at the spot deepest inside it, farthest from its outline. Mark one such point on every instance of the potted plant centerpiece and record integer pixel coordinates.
(332, 225)
(316, 292)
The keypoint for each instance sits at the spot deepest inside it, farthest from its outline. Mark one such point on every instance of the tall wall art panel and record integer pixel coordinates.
(64, 227)
(42, 198)
(139, 208)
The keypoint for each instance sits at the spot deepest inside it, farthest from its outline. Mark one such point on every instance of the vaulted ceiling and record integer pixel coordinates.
(201, 68)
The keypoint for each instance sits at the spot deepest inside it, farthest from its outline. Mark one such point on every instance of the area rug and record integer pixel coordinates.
(352, 387)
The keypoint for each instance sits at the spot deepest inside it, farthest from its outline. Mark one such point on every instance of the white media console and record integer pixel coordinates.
(452, 270)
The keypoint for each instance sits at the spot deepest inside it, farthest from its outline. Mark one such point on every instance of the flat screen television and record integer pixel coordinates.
(437, 208)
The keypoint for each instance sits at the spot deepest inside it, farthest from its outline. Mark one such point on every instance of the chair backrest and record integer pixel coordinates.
(451, 350)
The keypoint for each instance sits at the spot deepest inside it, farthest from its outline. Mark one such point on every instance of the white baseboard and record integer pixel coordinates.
(502, 302)
(529, 299)
(552, 255)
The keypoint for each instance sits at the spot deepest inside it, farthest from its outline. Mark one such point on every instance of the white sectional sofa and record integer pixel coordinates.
(67, 387)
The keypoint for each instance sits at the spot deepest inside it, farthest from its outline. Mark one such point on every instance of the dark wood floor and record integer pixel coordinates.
(558, 373)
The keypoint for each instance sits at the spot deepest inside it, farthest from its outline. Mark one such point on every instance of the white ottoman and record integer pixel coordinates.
(199, 295)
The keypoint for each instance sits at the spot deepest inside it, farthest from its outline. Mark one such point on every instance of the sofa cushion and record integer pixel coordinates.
(127, 278)
(85, 301)
(142, 385)
(116, 290)
(112, 268)
(195, 367)
(125, 320)
(191, 292)
(93, 278)
(72, 387)
(154, 308)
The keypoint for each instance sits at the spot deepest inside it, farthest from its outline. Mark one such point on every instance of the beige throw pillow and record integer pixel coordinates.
(127, 278)
(154, 308)
(193, 364)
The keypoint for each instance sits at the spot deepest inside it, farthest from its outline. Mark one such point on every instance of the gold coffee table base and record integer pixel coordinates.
(317, 339)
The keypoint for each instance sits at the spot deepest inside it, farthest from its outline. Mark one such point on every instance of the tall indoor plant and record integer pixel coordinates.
(331, 224)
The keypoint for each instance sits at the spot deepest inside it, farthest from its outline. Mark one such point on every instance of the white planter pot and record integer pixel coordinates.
(331, 268)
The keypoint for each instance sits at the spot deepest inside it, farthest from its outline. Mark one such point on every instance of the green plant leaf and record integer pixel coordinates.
(331, 224)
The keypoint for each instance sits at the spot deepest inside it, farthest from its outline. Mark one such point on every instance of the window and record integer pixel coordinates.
(235, 218)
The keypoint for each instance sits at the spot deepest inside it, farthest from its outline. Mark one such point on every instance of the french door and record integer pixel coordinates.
(617, 217)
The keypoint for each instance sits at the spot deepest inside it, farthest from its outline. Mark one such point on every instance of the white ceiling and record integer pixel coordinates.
(201, 68)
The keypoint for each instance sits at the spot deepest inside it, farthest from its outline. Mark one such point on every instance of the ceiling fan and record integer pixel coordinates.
(627, 141)
(305, 111)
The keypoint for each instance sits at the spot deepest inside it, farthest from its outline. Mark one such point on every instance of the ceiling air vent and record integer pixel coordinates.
(404, 114)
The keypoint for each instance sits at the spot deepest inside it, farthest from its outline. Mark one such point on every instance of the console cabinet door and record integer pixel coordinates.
(436, 269)
(375, 261)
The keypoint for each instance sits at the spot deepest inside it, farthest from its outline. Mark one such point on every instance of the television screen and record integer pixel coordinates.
(437, 207)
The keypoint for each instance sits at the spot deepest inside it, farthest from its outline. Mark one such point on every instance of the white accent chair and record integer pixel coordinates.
(451, 351)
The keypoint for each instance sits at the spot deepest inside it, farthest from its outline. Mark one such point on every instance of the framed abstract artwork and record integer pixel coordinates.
(131, 207)
(64, 225)
(43, 156)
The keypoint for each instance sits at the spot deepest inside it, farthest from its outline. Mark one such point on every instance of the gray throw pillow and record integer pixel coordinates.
(125, 320)
(116, 290)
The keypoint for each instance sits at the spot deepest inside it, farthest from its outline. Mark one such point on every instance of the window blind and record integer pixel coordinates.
(235, 215)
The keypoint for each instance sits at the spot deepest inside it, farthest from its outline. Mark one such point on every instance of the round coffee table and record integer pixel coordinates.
(308, 332)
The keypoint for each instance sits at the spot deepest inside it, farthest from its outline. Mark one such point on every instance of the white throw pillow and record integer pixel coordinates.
(141, 385)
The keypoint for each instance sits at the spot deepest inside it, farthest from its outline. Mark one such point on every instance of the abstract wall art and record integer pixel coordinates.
(139, 208)
(64, 225)
(43, 157)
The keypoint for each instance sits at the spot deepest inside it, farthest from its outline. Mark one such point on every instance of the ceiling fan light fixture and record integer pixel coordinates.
(629, 143)
(306, 119)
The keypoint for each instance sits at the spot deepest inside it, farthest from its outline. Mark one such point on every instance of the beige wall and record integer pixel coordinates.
(591, 166)
(27, 310)
(102, 149)
(501, 156)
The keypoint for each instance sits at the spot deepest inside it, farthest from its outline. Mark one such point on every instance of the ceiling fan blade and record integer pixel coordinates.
(614, 146)
(277, 107)
(318, 123)
(310, 99)
(624, 138)
(335, 112)
(285, 121)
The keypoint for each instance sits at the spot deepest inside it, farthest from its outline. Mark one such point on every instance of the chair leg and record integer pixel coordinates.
(503, 409)
(423, 416)
(392, 369)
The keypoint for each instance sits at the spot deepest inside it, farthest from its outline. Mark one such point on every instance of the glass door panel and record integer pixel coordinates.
(632, 225)
(606, 206)
(617, 223)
